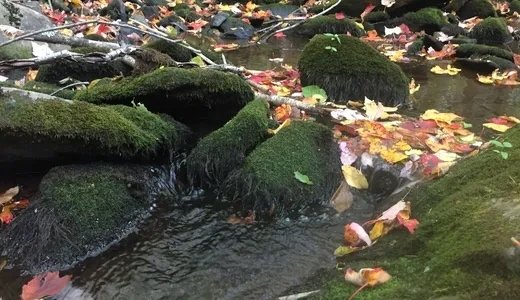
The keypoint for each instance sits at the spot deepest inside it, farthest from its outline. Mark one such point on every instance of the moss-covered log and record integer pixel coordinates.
(491, 31)
(79, 211)
(329, 24)
(266, 183)
(174, 50)
(226, 148)
(354, 70)
(60, 129)
(467, 50)
(462, 249)
(189, 95)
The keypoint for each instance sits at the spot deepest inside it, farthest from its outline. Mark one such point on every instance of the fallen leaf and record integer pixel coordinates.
(367, 276)
(340, 15)
(370, 7)
(449, 70)
(446, 156)
(391, 213)
(344, 250)
(314, 92)
(354, 177)
(9, 195)
(3, 263)
(342, 198)
(302, 178)
(432, 114)
(354, 234)
(378, 230)
(282, 112)
(496, 127)
(279, 35)
(6, 216)
(44, 285)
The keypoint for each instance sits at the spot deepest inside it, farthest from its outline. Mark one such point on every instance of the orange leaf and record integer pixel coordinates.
(354, 234)
(282, 112)
(44, 285)
(6, 216)
(374, 276)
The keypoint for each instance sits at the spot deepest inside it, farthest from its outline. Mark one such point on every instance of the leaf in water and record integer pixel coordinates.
(342, 198)
(449, 70)
(354, 177)
(432, 114)
(302, 178)
(9, 195)
(44, 285)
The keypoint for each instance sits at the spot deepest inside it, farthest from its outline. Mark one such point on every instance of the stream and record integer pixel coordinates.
(193, 253)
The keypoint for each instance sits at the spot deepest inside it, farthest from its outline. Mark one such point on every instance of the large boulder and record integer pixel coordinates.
(329, 24)
(472, 8)
(491, 31)
(347, 68)
(189, 95)
(57, 129)
(79, 211)
(267, 183)
(226, 148)
(428, 19)
(462, 248)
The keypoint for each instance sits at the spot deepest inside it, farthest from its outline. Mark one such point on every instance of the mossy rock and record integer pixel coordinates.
(467, 50)
(266, 183)
(462, 248)
(174, 50)
(14, 51)
(187, 14)
(354, 71)
(147, 60)
(54, 130)
(226, 148)
(377, 16)
(487, 63)
(454, 5)
(79, 211)
(514, 6)
(350, 8)
(428, 19)
(329, 24)
(189, 95)
(491, 31)
(476, 8)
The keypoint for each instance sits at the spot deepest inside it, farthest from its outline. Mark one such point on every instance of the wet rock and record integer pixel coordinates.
(173, 21)
(453, 30)
(487, 63)
(467, 50)
(427, 19)
(266, 183)
(116, 10)
(218, 19)
(23, 17)
(415, 47)
(476, 8)
(174, 50)
(430, 41)
(353, 71)
(377, 16)
(225, 149)
(189, 95)
(234, 28)
(491, 31)
(350, 8)
(47, 131)
(80, 211)
(329, 24)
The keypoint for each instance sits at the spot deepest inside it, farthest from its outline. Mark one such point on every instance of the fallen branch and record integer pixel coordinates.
(74, 41)
(30, 94)
(69, 86)
(267, 36)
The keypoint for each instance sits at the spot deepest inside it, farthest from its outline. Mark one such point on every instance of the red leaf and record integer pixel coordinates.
(367, 10)
(340, 15)
(429, 163)
(6, 216)
(499, 120)
(279, 35)
(405, 29)
(44, 285)
(410, 224)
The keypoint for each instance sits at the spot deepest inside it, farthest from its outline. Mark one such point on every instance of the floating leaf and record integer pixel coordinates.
(449, 70)
(354, 177)
(302, 178)
(432, 114)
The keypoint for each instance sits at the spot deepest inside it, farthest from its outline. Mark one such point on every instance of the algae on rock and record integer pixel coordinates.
(226, 148)
(491, 31)
(266, 183)
(428, 19)
(188, 95)
(78, 212)
(354, 71)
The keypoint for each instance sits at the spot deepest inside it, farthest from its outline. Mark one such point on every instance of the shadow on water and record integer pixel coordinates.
(191, 252)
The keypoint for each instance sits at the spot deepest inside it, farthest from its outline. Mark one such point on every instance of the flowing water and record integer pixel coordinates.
(193, 253)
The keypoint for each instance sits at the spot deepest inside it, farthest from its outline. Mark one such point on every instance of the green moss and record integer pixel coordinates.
(266, 183)
(147, 60)
(88, 50)
(47, 88)
(415, 47)
(186, 94)
(225, 149)
(467, 219)
(80, 210)
(478, 8)
(467, 50)
(329, 24)
(353, 71)
(85, 129)
(376, 16)
(515, 6)
(63, 68)
(14, 51)
(174, 50)
(350, 8)
(491, 31)
(455, 5)
(187, 14)
(427, 19)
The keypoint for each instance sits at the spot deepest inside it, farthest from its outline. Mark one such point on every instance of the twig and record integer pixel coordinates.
(34, 96)
(302, 21)
(68, 86)
(357, 291)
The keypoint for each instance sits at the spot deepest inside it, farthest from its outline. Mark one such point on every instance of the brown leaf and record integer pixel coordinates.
(342, 198)
(9, 195)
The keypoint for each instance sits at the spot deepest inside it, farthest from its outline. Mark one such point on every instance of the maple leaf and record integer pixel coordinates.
(44, 285)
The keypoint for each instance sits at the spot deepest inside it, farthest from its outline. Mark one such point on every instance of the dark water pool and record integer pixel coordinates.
(193, 253)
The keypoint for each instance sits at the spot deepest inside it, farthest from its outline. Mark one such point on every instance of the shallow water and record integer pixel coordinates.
(192, 253)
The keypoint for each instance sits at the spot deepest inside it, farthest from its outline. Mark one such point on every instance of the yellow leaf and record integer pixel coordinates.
(432, 114)
(67, 32)
(198, 60)
(449, 70)
(413, 152)
(375, 111)
(446, 156)
(392, 156)
(401, 146)
(250, 6)
(283, 91)
(344, 250)
(496, 127)
(413, 87)
(285, 123)
(377, 230)
(468, 138)
(76, 3)
(354, 177)
(31, 75)
(374, 276)
(485, 79)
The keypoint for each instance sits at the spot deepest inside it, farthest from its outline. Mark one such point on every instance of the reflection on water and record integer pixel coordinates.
(192, 253)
